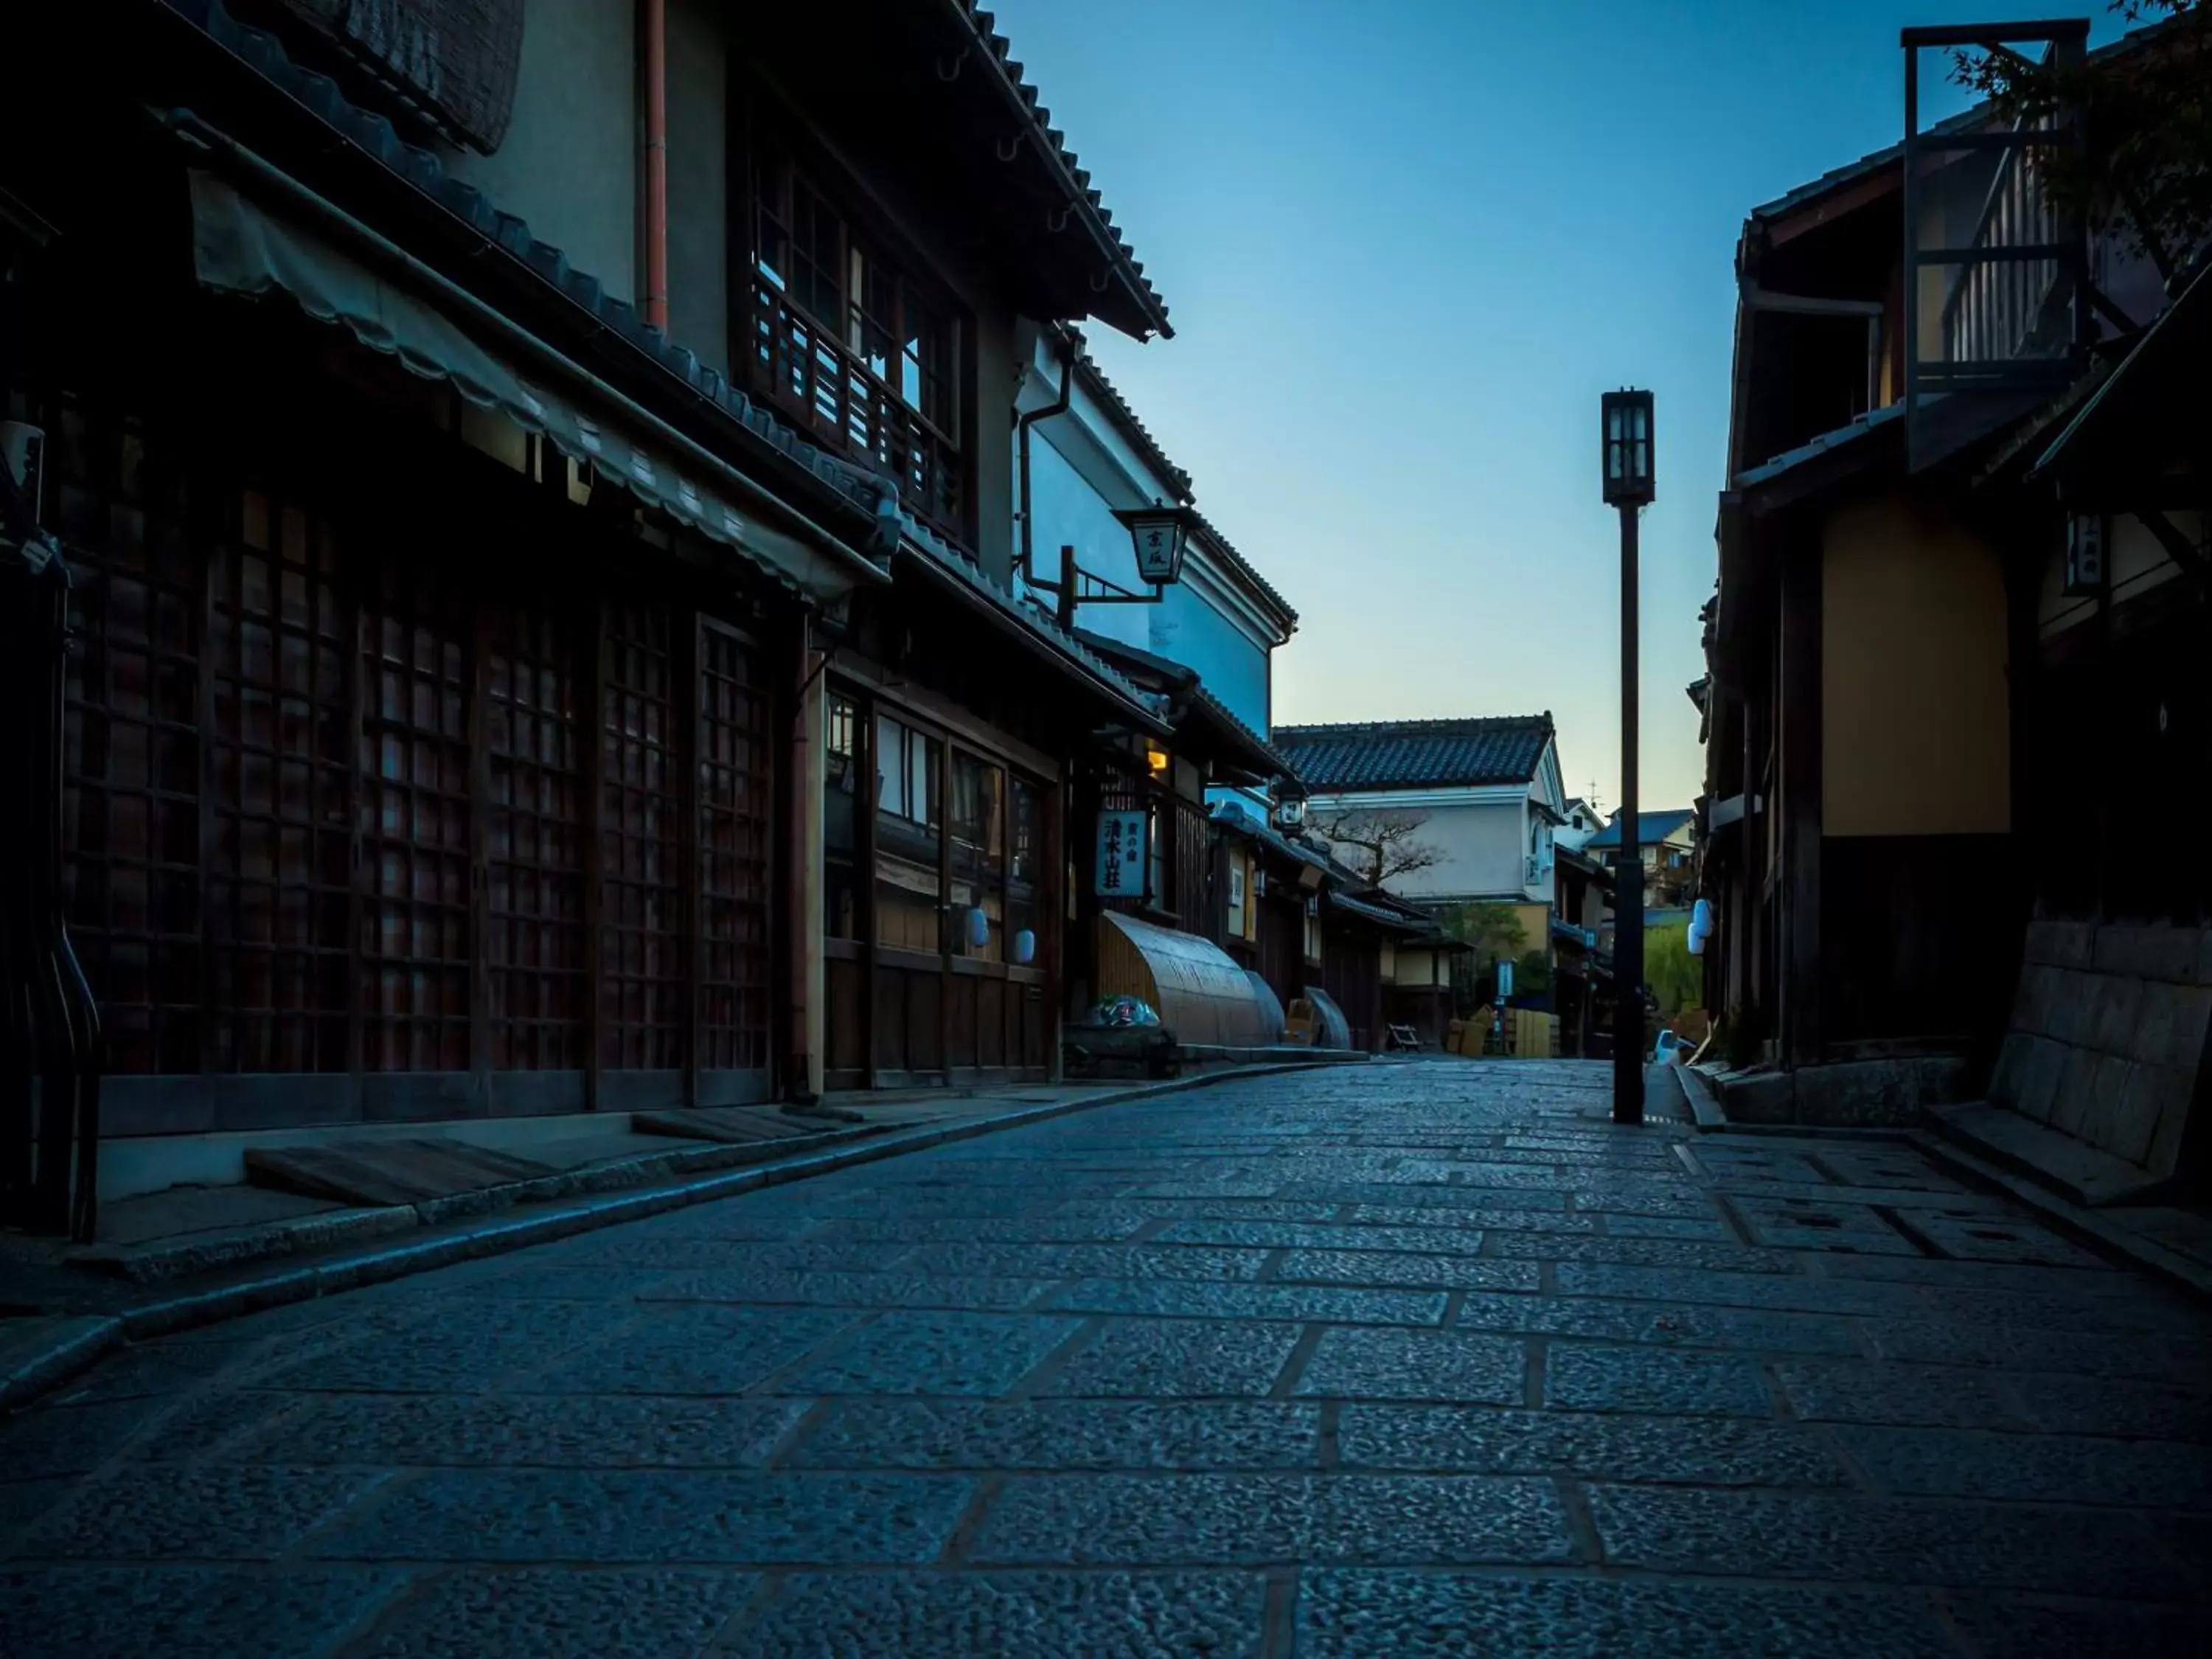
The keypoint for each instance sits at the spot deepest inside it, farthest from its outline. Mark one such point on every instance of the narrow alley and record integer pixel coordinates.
(1415, 1358)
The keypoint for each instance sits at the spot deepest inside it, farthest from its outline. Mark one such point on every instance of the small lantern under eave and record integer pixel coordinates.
(2087, 534)
(1160, 533)
(1626, 429)
(1290, 806)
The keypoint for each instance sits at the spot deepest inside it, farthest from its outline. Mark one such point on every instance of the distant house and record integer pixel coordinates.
(1483, 795)
(1583, 821)
(1667, 842)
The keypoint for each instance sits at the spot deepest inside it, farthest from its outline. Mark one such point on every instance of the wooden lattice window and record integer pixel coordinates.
(131, 802)
(734, 818)
(415, 827)
(642, 943)
(280, 875)
(533, 722)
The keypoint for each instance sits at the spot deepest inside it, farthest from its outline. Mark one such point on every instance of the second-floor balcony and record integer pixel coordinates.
(860, 351)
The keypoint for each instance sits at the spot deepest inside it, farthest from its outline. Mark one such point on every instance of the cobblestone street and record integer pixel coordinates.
(1417, 1359)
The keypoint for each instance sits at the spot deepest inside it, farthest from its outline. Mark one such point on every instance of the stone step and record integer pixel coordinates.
(736, 1126)
(2076, 1171)
(378, 1172)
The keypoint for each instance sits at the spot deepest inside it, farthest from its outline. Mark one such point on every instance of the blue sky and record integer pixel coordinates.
(1406, 246)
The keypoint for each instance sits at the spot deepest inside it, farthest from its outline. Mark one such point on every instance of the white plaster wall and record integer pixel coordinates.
(1069, 511)
(1080, 470)
(1186, 628)
(698, 181)
(1483, 843)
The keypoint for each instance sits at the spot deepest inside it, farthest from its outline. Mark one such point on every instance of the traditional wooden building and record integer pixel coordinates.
(505, 694)
(1915, 679)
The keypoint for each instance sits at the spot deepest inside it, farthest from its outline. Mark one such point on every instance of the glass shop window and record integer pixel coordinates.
(910, 837)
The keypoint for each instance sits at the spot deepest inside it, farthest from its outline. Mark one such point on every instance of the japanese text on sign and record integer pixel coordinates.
(1120, 855)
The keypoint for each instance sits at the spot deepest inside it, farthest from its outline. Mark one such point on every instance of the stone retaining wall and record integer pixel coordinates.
(2107, 1039)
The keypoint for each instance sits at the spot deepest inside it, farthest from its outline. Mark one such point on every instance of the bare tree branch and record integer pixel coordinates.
(1388, 844)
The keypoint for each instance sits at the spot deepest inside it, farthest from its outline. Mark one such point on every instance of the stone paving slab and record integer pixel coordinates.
(650, 1516)
(1355, 1613)
(1421, 1359)
(1220, 1614)
(1230, 1519)
(1895, 1541)
(185, 1612)
(553, 1614)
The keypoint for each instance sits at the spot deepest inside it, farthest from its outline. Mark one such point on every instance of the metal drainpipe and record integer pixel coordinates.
(653, 23)
(1022, 425)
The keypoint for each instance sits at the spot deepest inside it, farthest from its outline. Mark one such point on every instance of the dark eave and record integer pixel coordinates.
(1129, 301)
(355, 156)
(924, 551)
(1209, 729)
(2148, 407)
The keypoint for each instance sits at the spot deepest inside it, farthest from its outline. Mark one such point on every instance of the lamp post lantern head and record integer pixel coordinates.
(1626, 447)
(1160, 533)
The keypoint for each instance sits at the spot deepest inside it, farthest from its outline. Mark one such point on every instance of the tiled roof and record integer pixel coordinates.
(1651, 827)
(1813, 448)
(1262, 750)
(1417, 754)
(376, 136)
(1245, 568)
(1062, 159)
(1237, 817)
(1368, 910)
(926, 545)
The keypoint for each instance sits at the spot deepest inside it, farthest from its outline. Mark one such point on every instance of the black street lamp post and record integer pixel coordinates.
(1625, 423)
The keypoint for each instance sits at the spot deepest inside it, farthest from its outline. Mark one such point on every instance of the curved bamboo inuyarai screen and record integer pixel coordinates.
(1200, 994)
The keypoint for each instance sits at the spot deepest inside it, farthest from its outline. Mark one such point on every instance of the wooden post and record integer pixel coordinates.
(594, 758)
(687, 711)
(480, 810)
(1800, 797)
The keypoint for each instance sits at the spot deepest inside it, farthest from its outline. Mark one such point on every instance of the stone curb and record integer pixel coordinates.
(52, 1356)
(153, 1264)
(1703, 1107)
(2085, 1226)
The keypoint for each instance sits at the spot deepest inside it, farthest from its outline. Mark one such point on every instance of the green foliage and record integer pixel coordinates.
(1532, 976)
(1494, 930)
(2143, 170)
(1676, 977)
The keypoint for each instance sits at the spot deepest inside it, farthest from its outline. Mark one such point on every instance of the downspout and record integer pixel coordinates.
(1022, 425)
(652, 16)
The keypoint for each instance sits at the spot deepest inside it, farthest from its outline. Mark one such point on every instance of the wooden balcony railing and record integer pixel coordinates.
(2000, 308)
(842, 404)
